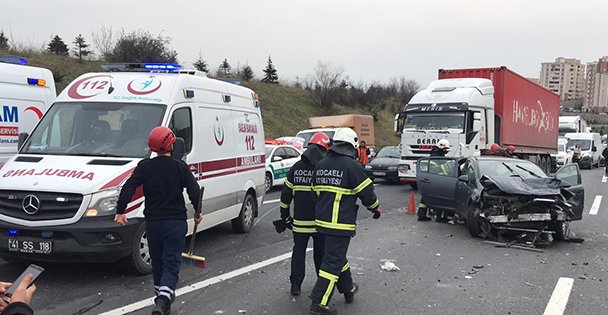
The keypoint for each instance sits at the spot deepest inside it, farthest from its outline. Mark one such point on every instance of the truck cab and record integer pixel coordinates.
(452, 109)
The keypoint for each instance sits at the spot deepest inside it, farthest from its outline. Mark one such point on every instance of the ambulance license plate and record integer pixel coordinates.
(27, 246)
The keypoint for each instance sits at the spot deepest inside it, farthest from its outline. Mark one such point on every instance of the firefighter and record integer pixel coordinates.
(298, 188)
(440, 149)
(362, 153)
(338, 181)
(163, 178)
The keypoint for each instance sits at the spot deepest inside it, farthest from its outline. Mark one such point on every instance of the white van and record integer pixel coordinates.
(25, 95)
(58, 195)
(591, 148)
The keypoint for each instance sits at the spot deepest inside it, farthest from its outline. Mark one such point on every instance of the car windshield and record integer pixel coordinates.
(390, 152)
(513, 167)
(446, 122)
(585, 144)
(307, 135)
(268, 151)
(95, 129)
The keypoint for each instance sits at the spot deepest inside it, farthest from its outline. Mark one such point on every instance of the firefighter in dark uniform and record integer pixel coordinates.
(298, 187)
(440, 149)
(338, 181)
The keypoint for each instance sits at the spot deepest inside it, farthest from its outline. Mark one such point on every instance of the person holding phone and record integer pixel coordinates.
(20, 299)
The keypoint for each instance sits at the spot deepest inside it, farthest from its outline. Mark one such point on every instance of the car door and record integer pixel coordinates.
(465, 187)
(436, 178)
(278, 165)
(292, 156)
(571, 175)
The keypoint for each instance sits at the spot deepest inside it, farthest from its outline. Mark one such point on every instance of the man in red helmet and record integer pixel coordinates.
(298, 188)
(163, 179)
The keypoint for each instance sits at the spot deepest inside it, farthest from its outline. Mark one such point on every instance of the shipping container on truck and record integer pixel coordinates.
(526, 114)
(363, 125)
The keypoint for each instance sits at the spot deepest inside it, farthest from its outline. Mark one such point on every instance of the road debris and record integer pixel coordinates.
(468, 277)
(389, 266)
(477, 266)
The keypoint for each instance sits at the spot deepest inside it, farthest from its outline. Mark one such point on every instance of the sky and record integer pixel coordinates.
(373, 40)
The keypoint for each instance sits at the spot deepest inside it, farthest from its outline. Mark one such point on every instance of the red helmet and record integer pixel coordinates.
(495, 147)
(160, 140)
(320, 138)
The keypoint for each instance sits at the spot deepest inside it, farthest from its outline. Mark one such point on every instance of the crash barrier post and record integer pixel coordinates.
(411, 207)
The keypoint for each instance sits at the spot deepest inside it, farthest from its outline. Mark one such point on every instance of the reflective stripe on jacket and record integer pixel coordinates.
(298, 188)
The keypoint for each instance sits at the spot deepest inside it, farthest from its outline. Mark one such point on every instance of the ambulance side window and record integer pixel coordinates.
(181, 124)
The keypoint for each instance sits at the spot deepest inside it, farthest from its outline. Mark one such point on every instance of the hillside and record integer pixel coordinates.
(285, 109)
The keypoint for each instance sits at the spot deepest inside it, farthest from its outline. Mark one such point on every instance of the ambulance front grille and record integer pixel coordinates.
(39, 206)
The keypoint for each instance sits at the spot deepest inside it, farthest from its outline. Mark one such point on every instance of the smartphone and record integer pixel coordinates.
(32, 269)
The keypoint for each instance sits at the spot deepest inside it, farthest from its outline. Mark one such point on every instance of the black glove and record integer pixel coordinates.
(282, 224)
(376, 213)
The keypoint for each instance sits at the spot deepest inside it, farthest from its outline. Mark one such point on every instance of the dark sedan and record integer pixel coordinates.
(495, 194)
(385, 164)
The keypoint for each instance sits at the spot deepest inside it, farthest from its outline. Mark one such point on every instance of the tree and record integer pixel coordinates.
(141, 46)
(200, 64)
(81, 47)
(270, 73)
(247, 73)
(224, 70)
(327, 83)
(3, 41)
(57, 46)
(103, 41)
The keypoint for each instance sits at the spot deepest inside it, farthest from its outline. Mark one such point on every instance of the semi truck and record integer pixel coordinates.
(571, 124)
(473, 109)
(363, 125)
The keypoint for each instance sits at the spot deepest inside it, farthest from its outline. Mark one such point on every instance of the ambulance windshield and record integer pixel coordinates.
(95, 129)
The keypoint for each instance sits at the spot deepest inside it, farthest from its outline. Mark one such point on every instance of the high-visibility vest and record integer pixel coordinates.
(363, 159)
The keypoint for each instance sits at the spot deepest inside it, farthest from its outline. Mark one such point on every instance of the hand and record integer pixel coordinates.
(3, 287)
(23, 293)
(377, 213)
(121, 219)
(198, 218)
(289, 222)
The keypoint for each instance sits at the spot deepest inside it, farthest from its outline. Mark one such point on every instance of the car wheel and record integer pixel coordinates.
(473, 223)
(268, 182)
(139, 261)
(414, 186)
(561, 229)
(244, 222)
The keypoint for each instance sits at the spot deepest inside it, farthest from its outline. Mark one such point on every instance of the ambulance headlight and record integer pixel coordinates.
(103, 203)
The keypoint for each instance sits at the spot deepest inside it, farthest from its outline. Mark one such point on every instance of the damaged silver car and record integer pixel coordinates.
(504, 198)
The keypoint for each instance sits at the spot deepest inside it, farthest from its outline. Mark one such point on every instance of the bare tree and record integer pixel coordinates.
(103, 40)
(327, 83)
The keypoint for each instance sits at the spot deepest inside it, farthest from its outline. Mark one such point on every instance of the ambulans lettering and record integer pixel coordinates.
(329, 177)
(251, 160)
(50, 172)
(9, 114)
(248, 128)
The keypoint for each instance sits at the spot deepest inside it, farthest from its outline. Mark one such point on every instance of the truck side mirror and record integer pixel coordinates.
(21, 140)
(396, 126)
(179, 149)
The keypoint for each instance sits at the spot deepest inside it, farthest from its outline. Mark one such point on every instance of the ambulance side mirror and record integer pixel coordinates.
(179, 149)
(21, 140)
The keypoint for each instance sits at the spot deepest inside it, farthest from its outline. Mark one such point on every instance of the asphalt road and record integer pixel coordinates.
(436, 277)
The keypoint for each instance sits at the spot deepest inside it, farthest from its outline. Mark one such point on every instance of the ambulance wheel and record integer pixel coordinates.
(244, 222)
(140, 261)
(268, 182)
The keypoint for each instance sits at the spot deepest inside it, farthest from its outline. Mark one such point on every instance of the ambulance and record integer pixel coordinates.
(25, 95)
(58, 194)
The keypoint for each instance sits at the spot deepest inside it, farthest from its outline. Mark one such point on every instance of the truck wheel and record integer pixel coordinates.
(139, 261)
(268, 181)
(473, 223)
(244, 222)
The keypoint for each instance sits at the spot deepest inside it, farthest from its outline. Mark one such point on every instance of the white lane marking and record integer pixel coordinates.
(202, 284)
(604, 179)
(595, 207)
(271, 201)
(559, 298)
(264, 215)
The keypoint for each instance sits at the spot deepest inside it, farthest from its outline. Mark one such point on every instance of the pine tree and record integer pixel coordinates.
(225, 68)
(247, 73)
(58, 47)
(3, 41)
(200, 64)
(270, 73)
(80, 47)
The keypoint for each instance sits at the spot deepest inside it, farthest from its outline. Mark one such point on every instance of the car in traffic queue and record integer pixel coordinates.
(280, 157)
(496, 195)
(384, 165)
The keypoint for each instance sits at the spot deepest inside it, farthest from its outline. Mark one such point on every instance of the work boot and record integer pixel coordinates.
(295, 289)
(424, 218)
(319, 309)
(350, 295)
(162, 306)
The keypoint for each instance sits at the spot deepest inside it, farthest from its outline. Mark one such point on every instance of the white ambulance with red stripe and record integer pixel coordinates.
(25, 94)
(58, 195)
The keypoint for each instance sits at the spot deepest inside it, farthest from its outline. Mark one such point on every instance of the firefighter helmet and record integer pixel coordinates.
(346, 135)
(443, 144)
(321, 139)
(161, 139)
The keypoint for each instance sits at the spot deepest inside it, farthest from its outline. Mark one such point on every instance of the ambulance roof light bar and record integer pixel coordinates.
(14, 60)
(140, 67)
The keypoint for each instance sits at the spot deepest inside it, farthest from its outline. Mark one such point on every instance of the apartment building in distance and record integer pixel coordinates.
(596, 91)
(565, 77)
